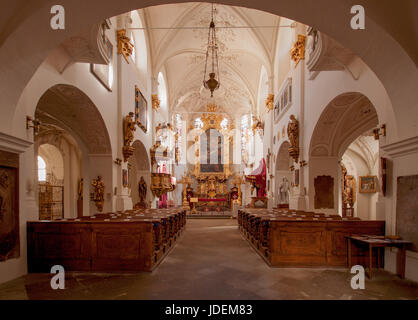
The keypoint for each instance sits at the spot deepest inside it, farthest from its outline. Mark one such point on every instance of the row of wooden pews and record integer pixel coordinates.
(134, 240)
(290, 238)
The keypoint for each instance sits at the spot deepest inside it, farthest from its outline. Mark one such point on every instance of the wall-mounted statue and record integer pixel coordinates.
(157, 148)
(142, 192)
(128, 135)
(293, 134)
(258, 125)
(284, 191)
(349, 188)
(98, 194)
(270, 102)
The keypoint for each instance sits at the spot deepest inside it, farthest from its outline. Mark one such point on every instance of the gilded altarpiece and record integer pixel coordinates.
(212, 145)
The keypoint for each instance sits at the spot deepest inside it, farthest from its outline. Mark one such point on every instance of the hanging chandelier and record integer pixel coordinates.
(212, 84)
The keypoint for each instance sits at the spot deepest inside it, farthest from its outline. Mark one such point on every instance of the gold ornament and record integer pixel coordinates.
(297, 53)
(125, 47)
(98, 194)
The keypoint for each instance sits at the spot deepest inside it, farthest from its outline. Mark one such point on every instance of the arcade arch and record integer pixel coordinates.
(71, 122)
(346, 118)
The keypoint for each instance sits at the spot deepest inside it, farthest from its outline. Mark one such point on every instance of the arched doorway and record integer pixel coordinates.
(71, 122)
(283, 176)
(50, 182)
(139, 167)
(361, 163)
(59, 149)
(346, 118)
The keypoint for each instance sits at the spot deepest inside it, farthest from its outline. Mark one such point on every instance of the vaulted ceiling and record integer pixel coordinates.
(180, 53)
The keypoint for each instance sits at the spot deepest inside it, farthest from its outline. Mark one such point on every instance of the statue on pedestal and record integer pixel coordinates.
(284, 190)
(142, 192)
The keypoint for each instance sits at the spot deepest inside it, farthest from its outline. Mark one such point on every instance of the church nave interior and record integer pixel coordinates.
(255, 148)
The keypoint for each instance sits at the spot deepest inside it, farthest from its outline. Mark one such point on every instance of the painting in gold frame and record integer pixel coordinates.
(367, 184)
(141, 110)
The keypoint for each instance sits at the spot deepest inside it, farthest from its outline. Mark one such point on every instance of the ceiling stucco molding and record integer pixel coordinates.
(171, 34)
(266, 52)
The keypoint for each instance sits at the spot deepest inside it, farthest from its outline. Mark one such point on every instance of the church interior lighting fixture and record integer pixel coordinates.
(212, 49)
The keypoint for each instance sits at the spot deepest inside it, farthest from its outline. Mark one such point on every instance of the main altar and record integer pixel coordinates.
(211, 173)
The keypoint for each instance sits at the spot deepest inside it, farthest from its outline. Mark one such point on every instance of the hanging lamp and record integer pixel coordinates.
(212, 84)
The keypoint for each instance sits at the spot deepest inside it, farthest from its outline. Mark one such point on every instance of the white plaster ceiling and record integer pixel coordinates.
(181, 53)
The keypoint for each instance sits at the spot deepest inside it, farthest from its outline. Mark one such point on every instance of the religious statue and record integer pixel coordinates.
(153, 150)
(80, 189)
(98, 195)
(142, 191)
(189, 195)
(128, 135)
(284, 190)
(349, 190)
(270, 102)
(293, 134)
(258, 125)
(212, 187)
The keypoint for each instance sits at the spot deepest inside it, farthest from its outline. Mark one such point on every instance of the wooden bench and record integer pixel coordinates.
(128, 241)
(302, 239)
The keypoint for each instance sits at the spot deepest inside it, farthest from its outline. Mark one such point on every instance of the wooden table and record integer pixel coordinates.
(380, 243)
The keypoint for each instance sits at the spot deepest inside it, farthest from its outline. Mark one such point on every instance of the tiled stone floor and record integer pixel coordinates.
(213, 261)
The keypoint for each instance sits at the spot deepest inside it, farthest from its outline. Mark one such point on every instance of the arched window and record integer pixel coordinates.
(41, 169)
(133, 55)
(162, 91)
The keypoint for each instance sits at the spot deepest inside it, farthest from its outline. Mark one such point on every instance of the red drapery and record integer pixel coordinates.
(258, 178)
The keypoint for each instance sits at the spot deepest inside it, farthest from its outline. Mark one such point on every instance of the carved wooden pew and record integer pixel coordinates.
(289, 238)
(123, 241)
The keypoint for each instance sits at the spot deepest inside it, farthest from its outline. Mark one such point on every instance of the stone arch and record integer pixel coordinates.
(70, 106)
(71, 153)
(344, 119)
(395, 66)
(70, 112)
